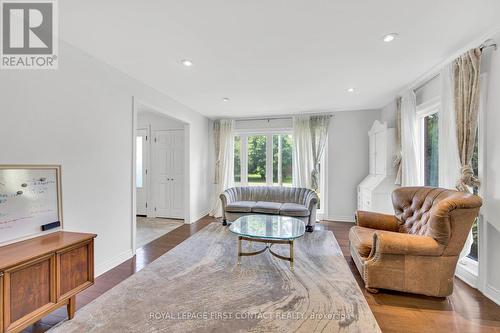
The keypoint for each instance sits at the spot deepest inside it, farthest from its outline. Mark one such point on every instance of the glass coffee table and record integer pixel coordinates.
(268, 229)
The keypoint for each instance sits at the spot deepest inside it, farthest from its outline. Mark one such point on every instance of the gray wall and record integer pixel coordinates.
(347, 160)
(80, 116)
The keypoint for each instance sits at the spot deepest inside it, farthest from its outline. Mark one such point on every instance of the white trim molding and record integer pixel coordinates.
(197, 217)
(467, 272)
(113, 262)
(492, 293)
(340, 218)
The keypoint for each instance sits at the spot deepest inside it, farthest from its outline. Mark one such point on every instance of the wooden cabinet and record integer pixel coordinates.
(42, 274)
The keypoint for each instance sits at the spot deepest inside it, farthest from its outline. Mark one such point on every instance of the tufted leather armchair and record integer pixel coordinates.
(417, 249)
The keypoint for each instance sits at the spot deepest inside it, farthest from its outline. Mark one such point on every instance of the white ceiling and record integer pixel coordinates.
(275, 56)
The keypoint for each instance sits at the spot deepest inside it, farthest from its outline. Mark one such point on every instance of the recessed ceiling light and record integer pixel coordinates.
(225, 99)
(390, 37)
(187, 63)
(350, 90)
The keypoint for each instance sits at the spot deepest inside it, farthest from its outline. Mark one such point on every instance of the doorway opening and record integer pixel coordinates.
(161, 177)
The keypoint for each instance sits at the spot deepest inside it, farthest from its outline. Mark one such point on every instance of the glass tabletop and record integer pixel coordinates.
(268, 227)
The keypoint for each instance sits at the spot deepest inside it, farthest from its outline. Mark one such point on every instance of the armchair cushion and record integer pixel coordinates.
(266, 207)
(293, 209)
(240, 206)
(362, 240)
(377, 221)
(388, 242)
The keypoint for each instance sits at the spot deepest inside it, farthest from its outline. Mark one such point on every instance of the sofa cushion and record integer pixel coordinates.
(266, 207)
(292, 209)
(240, 206)
(362, 240)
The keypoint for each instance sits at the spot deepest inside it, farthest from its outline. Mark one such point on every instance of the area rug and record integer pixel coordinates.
(149, 229)
(198, 287)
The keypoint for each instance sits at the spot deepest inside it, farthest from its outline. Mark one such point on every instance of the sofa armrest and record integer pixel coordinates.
(388, 242)
(225, 199)
(377, 221)
(311, 200)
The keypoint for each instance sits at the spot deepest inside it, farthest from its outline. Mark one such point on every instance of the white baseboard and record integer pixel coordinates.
(198, 217)
(113, 262)
(340, 218)
(467, 276)
(492, 293)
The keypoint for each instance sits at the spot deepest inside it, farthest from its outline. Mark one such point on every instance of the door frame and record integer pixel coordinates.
(136, 104)
(147, 165)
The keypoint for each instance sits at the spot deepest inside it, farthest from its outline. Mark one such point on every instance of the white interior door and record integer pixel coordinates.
(142, 165)
(168, 168)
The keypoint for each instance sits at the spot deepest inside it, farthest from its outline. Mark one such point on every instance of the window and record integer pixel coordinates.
(237, 159)
(257, 155)
(475, 166)
(431, 150)
(282, 159)
(138, 162)
(263, 159)
(428, 123)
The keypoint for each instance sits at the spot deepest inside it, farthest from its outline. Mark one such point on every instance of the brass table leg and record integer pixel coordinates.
(269, 243)
(239, 249)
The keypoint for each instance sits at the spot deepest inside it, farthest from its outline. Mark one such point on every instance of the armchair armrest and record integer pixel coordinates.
(377, 221)
(388, 242)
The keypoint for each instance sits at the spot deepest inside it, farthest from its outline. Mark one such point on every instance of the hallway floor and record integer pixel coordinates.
(149, 229)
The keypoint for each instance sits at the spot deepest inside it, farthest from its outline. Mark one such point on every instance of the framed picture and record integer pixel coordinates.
(30, 197)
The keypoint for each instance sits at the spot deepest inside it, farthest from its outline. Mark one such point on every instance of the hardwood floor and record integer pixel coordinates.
(467, 310)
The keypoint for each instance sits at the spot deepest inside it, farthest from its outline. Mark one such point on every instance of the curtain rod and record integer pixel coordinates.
(278, 118)
(487, 44)
(434, 72)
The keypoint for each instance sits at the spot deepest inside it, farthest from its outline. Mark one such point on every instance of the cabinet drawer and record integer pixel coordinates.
(28, 289)
(75, 269)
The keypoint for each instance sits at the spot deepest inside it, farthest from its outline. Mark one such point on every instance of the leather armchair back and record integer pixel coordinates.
(445, 215)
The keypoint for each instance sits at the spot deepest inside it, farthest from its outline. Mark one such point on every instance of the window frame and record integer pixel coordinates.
(268, 133)
(424, 110)
(469, 270)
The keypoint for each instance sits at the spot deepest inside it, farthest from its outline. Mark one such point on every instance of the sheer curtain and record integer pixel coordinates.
(319, 133)
(302, 152)
(224, 161)
(410, 170)
(449, 161)
(398, 165)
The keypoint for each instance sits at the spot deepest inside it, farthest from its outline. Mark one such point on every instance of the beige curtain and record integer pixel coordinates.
(224, 165)
(216, 130)
(397, 161)
(466, 79)
(302, 152)
(319, 134)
